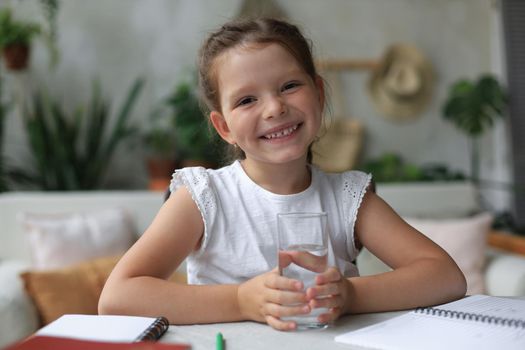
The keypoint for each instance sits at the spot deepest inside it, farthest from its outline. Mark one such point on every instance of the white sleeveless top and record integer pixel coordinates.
(240, 220)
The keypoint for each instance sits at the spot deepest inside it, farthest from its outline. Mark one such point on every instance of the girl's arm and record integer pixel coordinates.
(423, 273)
(138, 285)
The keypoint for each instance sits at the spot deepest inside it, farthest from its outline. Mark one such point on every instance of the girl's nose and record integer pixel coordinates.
(275, 107)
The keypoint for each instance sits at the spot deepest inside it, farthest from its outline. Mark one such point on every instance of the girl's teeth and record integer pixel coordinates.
(281, 133)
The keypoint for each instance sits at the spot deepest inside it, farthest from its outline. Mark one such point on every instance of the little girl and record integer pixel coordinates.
(265, 98)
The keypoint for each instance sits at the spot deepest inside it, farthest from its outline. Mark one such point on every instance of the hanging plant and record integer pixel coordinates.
(15, 40)
(50, 9)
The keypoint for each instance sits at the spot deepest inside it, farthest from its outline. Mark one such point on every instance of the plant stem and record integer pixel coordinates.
(474, 159)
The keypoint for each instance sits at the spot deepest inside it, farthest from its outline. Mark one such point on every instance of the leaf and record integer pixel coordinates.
(15, 32)
(193, 137)
(472, 107)
(123, 116)
(70, 150)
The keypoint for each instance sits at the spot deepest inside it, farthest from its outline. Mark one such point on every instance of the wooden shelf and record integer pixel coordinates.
(346, 64)
(506, 241)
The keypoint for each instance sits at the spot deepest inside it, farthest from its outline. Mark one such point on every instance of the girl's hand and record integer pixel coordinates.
(263, 299)
(331, 291)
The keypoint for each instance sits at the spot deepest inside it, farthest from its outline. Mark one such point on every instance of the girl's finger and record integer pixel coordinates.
(329, 302)
(280, 311)
(282, 297)
(307, 260)
(323, 290)
(284, 259)
(275, 281)
(332, 315)
(280, 325)
(331, 274)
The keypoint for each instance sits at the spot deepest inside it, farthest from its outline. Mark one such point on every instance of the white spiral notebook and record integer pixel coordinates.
(476, 322)
(110, 328)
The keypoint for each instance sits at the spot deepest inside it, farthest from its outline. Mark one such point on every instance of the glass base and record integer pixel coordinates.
(307, 322)
(311, 326)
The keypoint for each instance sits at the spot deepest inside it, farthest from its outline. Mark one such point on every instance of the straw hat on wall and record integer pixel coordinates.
(401, 85)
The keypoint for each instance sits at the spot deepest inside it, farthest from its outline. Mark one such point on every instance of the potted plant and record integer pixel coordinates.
(391, 167)
(73, 149)
(197, 143)
(15, 40)
(159, 140)
(473, 106)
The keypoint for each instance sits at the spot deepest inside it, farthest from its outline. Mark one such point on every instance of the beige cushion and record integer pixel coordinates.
(466, 242)
(59, 240)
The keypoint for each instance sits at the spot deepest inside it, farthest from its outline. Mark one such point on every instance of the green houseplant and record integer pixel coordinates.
(390, 167)
(473, 106)
(179, 135)
(195, 141)
(72, 150)
(15, 40)
(159, 141)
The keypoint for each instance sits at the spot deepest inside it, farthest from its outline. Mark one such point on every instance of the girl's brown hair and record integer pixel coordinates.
(243, 32)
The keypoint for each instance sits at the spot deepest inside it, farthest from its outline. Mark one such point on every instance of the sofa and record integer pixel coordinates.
(118, 213)
(45, 256)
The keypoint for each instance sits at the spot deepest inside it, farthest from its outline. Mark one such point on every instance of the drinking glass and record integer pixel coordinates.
(303, 235)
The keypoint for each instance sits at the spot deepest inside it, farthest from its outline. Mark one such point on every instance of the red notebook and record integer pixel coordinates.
(57, 343)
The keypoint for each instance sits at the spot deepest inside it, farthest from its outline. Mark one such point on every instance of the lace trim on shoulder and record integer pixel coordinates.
(355, 185)
(197, 181)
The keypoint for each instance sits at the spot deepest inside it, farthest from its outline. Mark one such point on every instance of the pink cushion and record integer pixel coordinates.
(464, 240)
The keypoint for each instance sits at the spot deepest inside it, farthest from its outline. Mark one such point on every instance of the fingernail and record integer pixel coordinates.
(306, 308)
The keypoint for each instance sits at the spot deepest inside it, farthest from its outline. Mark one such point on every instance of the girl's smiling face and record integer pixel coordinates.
(270, 107)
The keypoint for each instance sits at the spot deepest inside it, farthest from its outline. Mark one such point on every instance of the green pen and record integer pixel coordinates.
(219, 342)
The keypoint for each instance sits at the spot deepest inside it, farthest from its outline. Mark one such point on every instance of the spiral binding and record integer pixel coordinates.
(155, 330)
(511, 322)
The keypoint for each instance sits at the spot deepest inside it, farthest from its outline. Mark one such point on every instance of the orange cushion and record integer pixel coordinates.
(72, 290)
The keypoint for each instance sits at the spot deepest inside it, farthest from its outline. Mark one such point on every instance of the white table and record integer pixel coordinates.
(253, 336)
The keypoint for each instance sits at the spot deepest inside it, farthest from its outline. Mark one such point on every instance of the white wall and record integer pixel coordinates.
(117, 40)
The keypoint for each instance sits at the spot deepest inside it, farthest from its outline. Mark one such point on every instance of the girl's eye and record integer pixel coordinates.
(290, 85)
(245, 101)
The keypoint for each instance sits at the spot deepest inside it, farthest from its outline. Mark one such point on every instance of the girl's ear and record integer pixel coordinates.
(219, 123)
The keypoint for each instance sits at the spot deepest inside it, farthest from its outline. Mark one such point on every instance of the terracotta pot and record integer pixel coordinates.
(160, 171)
(195, 162)
(16, 56)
